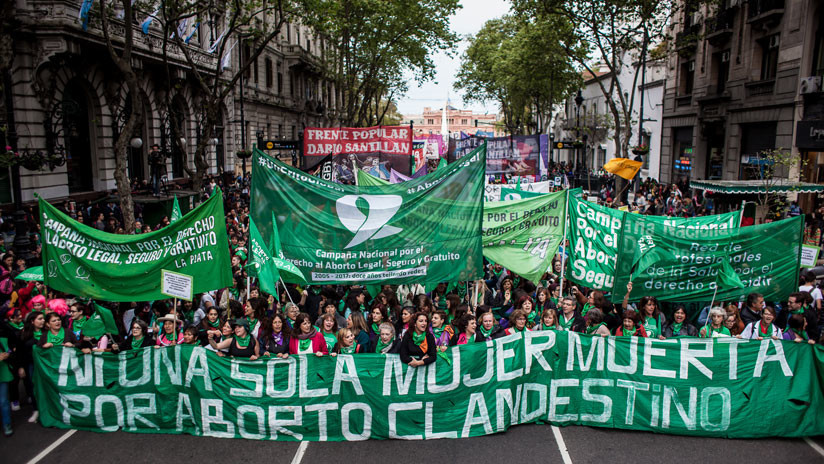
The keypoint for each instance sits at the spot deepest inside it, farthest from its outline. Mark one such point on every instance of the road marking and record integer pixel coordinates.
(299, 453)
(51, 447)
(814, 446)
(559, 439)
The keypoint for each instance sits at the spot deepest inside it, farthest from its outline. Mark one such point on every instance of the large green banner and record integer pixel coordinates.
(722, 387)
(595, 230)
(422, 230)
(84, 261)
(523, 235)
(704, 264)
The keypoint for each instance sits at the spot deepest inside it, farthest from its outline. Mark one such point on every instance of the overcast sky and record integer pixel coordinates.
(468, 20)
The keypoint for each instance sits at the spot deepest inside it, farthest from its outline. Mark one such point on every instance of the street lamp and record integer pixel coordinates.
(579, 99)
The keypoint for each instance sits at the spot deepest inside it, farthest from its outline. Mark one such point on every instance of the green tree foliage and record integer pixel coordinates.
(378, 44)
(517, 61)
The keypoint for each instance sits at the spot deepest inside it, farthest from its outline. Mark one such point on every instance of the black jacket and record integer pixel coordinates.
(394, 349)
(578, 323)
(268, 345)
(409, 350)
(497, 332)
(749, 316)
(687, 330)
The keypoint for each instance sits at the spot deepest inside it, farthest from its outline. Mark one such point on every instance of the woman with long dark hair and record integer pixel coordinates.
(418, 344)
(305, 339)
(274, 341)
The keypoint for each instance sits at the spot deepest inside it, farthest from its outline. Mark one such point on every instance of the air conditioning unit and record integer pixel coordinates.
(810, 84)
(775, 41)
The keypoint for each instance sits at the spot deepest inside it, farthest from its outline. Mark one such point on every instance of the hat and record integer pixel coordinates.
(169, 318)
(241, 321)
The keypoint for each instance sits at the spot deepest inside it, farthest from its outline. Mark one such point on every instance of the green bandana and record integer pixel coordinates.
(243, 342)
(348, 349)
(215, 324)
(136, 342)
(486, 333)
(252, 323)
(592, 329)
(291, 322)
(801, 334)
(548, 327)
(554, 301)
(764, 333)
(799, 311)
(37, 334)
(722, 330)
(676, 328)
(586, 309)
(16, 325)
(437, 332)
(78, 324)
(379, 349)
(418, 338)
(626, 333)
(304, 345)
(376, 328)
(56, 339)
(566, 325)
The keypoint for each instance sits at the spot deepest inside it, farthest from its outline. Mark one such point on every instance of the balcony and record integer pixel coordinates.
(719, 28)
(686, 41)
(683, 100)
(766, 12)
(760, 88)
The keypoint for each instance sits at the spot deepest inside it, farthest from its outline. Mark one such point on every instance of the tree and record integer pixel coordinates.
(121, 55)
(612, 32)
(771, 171)
(249, 22)
(516, 62)
(376, 45)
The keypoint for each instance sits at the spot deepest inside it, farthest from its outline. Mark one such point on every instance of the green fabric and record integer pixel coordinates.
(136, 342)
(566, 378)
(693, 261)
(523, 235)
(100, 323)
(595, 235)
(215, 324)
(78, 324)
(626, 333)
(37, 334)
(709, 329)
(365, 179)
(84, 261)
(32, 273)
(425, 229)
(381, 346)
(331, 339)
(16, 325)
(348, 349)
(652, 327)
(261, 264)
(508, 194)
(5, 368)
(243, 342)
(801, 333)
(676, 328)
(566, 325)
(437, 332)
(764, 333)
(56, 339)
(376, 328)
(176, 214)
(484, 332)
(586, 309)
(304, 345)
(418, 338)
(591, 329)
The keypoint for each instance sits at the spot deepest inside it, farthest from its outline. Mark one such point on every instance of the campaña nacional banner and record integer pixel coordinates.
(426, 229)
(594, 233)
(690, 264)
(84, 261)
(492, 192)
(723, 387)
(523, 235)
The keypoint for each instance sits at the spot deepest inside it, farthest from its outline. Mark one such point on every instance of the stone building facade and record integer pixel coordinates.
(66, 93)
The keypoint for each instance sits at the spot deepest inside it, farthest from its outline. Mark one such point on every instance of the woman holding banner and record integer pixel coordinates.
(440, 330)
(517, 322)
(329, 329)
(488, 329)
(467, 331)
(678, 326)
(357, 324)
(210, 323)
(169, 333)
(763, 329)
(138, 337)
(346, 343)
(305, 339)
(254, 310)
(418, 344)
(595, 323)
(651, 317)
(386, 343)
(797, 330)
(242, 345)
(715, 324)
(549, 321)
(56, 333)
(631, 326)
(273, 340)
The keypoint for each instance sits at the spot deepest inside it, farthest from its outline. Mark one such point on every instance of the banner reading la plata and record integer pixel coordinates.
(523, 235)
(422, 230)
(84, 261)
(723, 387)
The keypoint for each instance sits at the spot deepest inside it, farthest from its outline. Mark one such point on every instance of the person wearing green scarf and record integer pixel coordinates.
(79, 314)
(631, 325)
(305, 339)
(763, 329)
(138, 336)
(549, 320)
(386, 342)
(517, 322)
(651, 316)
(797, 330)
(488, 329)
(441, 333)
(211, 323)
(329, 329)
(291, 310)
(418, 346)
(678, 326)
(595, 324)
(241, 345)
(467, 327)
(569, 320)
(56, 335)
(15, 322)
(715, 324)
(346, 342)
(798, 303)
(377, 316)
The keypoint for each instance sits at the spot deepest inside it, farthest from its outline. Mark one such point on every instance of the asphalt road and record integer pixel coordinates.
(522, 444)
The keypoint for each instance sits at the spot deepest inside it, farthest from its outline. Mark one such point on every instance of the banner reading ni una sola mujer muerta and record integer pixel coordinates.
(723, 387)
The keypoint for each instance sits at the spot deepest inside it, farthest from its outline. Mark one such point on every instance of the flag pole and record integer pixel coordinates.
(287, 291)
(564, 242)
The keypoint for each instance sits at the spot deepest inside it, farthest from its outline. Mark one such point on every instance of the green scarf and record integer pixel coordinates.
(243, 342)
(566, 325)
(801, 334)
(554, 301)
(330, 340)
(77, 325)
(136, 342)
(252, 323)
(709, 330)
(418, 338)
(548, 327)
(764, 333)
(486, 333)
(348, 349)
(37, 334)
(376, 328)
(676, 328)
(382, 346)
(437, 332)
(291, 322)
(625, 333)
(56, 339)
(591, 329)
(304, 345)
(215, 324)
(586, 309)
(16, 325)
(517, 330)
(799, 311)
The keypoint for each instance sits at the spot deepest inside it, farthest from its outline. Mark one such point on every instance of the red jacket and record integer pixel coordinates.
(318, 344)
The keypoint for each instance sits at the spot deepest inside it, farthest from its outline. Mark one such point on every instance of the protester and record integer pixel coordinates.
(488, 328)
(678, 326)
(417, 346)
(715, 324)
(210, 323)
(33, 327)
(170, 333)
(466, 332)
(273, 339)
(305, 339)
(386, 343)
(764, 328)
(329, 329)
(56, 334)
(242, 344)
(631, 325)
(517, 322)
(442, 333)
(346, 342)
(595, 323)
(357, 324)
(733, 320)
(549, 320)
(138, 337)
(797, 330)
(569, 319)
(752, 309)
(377, 316)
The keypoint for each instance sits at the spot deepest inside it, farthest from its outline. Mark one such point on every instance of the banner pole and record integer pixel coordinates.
(248, 285)
(287, 291)
(564, 242)
(174, 314)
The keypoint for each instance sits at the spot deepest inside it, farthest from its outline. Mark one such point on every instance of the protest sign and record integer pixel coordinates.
(697, 261)
(377, 150)
(685, 386)
(517, 194)
(514, 155)
(422, 230)
(87, 262)
(176, 285)
(594, 231)
(809, 255)
(523, 235)
(492, 192)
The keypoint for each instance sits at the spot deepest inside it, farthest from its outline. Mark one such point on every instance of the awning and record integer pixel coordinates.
(741, 187)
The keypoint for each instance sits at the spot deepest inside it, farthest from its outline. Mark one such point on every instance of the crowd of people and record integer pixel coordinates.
(414, 321)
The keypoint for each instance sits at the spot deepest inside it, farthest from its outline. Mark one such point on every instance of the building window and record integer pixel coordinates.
(269, 74)
(687, 77)
(769, 57)
(464, 121)
(294, 133)
(245, 54)
(255, 70)
(280, 131)
(683, 151)
(721, 63)
(818, 50)
(280, 80)
(430, 121)
(288, 33)
(308, 46)
(755, 139)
